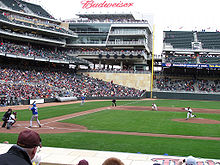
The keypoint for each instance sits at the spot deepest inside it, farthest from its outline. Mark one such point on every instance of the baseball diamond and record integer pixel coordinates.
(52, 125)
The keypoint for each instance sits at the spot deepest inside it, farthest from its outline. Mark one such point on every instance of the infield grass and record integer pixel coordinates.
(147, 121)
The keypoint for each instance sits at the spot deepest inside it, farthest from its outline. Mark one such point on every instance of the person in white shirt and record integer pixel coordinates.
(189, 113)
(154, 107)
(11, 120)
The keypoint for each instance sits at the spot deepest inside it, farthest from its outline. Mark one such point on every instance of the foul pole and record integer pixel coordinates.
(152, 67)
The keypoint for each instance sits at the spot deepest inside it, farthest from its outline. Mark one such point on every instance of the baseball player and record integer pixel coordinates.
(154, 107)
(189, 113)
(83, 99)
(12, 119)
(6, 117)
(35, 115)
(114, 103)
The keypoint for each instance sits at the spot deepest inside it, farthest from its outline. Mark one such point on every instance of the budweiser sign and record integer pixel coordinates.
(87, 4)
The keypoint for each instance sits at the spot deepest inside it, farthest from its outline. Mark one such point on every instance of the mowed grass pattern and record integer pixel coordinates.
(139, 122)
(147, 121)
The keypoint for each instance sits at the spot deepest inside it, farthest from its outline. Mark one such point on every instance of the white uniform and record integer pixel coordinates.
(154, 107)
(189, 114)
(11, 121)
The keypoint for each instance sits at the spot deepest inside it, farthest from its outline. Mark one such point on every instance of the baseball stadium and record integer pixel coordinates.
(73, 69)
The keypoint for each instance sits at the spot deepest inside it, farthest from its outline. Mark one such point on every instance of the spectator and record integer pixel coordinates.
(190, 160)
(83, 162)
(112, 161)
(25, 150)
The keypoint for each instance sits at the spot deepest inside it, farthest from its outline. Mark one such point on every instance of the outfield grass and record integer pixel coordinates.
(142, 121)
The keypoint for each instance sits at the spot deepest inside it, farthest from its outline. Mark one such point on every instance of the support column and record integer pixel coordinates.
(100, 64)
(121, 64)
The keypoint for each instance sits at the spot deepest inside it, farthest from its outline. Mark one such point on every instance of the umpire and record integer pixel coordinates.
(114, 102)
(6, 117)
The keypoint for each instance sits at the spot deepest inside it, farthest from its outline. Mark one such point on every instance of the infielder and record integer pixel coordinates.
(189, 113)
(35, 115)
(154, 107)
(12, 119)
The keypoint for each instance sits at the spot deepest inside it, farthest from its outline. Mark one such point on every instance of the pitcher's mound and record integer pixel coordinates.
(198, 120)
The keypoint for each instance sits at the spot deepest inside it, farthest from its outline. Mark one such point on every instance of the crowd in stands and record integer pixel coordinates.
(182, 59)
(118, 20)
(189, 85)
(193, 59)
(167, 84)
(26, 7)
(110, 52)
(37, 51)
(33, 22)
(208, 85)
(30, 84)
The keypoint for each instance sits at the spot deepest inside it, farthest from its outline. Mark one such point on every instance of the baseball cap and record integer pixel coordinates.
(83, 162)
(190, 160)
(29, 139)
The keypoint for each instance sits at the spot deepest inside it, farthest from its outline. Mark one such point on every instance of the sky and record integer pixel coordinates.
(167, 14)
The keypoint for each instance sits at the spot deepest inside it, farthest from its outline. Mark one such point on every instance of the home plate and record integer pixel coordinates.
(50, 127)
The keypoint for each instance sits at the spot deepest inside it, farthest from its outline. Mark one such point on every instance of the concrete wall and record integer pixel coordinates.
(132, 80)
(184, 96)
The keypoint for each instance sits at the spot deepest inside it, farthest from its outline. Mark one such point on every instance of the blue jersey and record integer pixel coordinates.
(34, 110)
(83, 98)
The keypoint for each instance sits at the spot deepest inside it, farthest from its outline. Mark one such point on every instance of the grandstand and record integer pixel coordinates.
(40, 57)
(113, 39)
(190, 62)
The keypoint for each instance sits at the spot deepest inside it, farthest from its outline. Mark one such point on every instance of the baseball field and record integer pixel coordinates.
(129, 127)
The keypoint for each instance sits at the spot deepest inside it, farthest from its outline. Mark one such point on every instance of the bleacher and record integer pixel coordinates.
(179, 39)
(20, 6)
(210, 40)
(182, 59)
(37, 9)
(12, 4)
(209, 60)
(3, 17)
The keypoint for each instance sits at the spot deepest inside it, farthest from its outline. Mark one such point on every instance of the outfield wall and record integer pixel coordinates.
(184, 96)
(132, 80)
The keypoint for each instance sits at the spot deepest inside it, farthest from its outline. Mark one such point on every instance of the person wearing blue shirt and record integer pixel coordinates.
(34, 115)
(83, 100)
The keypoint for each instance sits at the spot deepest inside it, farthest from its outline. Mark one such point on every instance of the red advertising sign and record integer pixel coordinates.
(87, 4)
